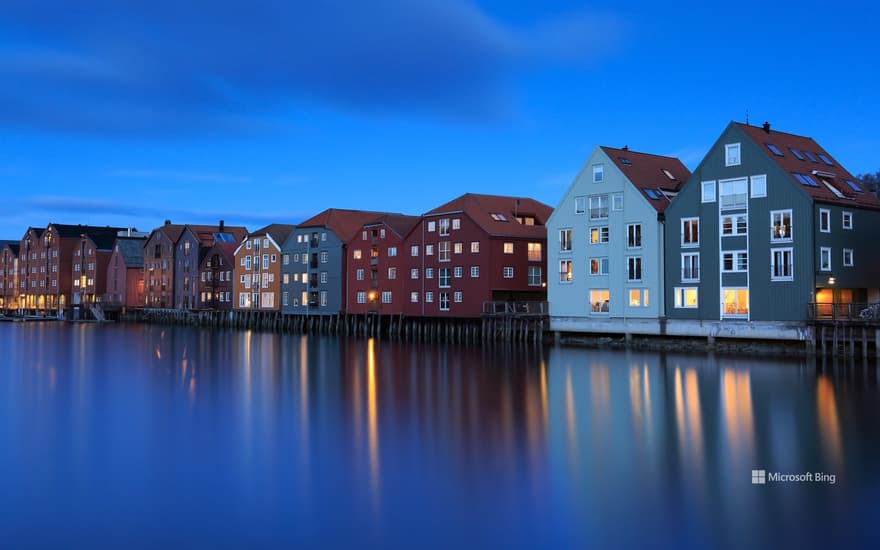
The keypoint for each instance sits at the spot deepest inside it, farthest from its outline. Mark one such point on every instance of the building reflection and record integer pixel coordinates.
(736, 406)
(829, 423)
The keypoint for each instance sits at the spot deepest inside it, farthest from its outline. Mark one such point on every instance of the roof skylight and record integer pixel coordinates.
(825, 159)
(805, 179)
(498, 217)
(624, 161)
(809, 156)
(774, 149)
(651, 193)
(669, 174)
(853, 185)
(796, 153)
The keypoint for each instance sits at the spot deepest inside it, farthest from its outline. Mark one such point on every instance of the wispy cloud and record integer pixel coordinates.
(179, 176)
(166, 67)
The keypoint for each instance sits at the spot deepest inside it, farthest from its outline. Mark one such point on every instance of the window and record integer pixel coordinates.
(285, 298)
(735, 302)
(498, 217)
(392, 251)
(429, 297)
(734, 193)
(780, 225)
(565, 271)
(598, 173)
(825, 258)
(475, 247)
(690, 266)
(617, 201)
(285, 260)
(508, 248)
(599, 235)
(534, 275)
(847, 257)
(381, 234)
(731, 154)
(456, 223)
(781, 265)
(708, 190)
(363, 235)
(323, 298)
(414, 250)
(599, 301)
(737, 224)
(414, 273)
(634, 235)
(638, 297)
(457, 248)
(534, 252)
(443, 277)
(457, 272)
(444, 301)
(796, 153)
(265, 261)
(824, 220)
(634, 268)
(690, 232)
(247, 245)
(443, 250)
(759, 186)
(475, 271)
(361, 297)
(414, 297)
(508, 272)
(386, 296)
(392, 273)
(824, 158)
(247, 262)
(805, 179)
(285, 278)
(735, 261)
(580, 205)
(847, 220)
(598, 266)
(325, 256)
(444, 227)
(685, 297)
(456, 296)
(429, 273)
(432, 226)
(359, 274)
(599, 207)
(565, 240)
(852, 185)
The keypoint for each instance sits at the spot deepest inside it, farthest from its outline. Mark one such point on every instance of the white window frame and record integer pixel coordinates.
(630, 234)
(691, 244)
(680, 297)
(773, 225)
(735, 261)
(846, 219)
(507, 272)
(733, 201)
(825, 220)
(617, 202)
(634, 269)
(824, 251)
(598, 173)
(600, 262)
(597, 305)
(475, 272)
(732, 154)
(737, 315)
(565, 235)
(580, 205)
(603, 234)
(688, 264)
(705, 187)
(566, 272)
(597, 211)
(734, 225)
(848, 259)
(782, 252)
(758, 186)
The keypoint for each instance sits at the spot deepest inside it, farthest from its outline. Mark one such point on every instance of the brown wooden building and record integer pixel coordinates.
(257, 277)
(125, 274)
(89, 268)
(215, 277)
(9, 275)
(191, 246)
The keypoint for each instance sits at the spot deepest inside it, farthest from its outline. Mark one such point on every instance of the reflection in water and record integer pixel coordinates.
(282, 440)
(829, 424)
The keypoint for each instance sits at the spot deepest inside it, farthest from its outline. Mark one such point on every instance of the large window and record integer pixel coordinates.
(634, 235)
(737, 224)
(690, 232)
(781, 266)
(565, 240)
(600, 301)
(565, 271)
(685, 297)
(534, 275)
(534, 252)
(598, 266)
(634, 268)
(443, 277)
(444, 227)
(735, 302)
(443, 249)
(780, 225)
(599, 207)
(734, 193)
(734, 261)
(825, 258)
(444, 301)
(599, 235)
(690, 266)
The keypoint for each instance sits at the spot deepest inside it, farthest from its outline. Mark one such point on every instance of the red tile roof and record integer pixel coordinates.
(278, 231)
(343, 223)
(401, 224)
(481, 208)
(648, 172)
(836, 175)
(205, 233)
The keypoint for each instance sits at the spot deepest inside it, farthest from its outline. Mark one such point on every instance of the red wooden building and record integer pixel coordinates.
(216, 277)
(9, 275)
(476, 249)
(125, 274)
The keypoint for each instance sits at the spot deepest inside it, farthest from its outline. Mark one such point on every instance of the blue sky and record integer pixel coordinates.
(128, 113)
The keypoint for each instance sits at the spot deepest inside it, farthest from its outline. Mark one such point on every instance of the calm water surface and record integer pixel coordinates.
(140, 436)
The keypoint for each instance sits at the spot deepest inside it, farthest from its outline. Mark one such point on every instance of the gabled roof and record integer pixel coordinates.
(132, 250)
(227, 250)
(209, 234)
(343, 223)
(278, 231)
(401, 224)
(38, 232)
(69, 231)
(811, 164)
(171, 230)
(103, 241)
(496, 214)
(648, 173)
(14, 246)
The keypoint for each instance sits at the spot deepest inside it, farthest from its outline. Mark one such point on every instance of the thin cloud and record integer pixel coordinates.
(180, 176)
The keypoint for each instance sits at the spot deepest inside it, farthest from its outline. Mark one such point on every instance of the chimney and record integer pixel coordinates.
(767, 127)
(167, 222)
(222, 226)
(626, 147)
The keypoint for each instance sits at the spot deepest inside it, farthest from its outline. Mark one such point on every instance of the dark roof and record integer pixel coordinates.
(210, 234)
(343, 223)
(38, 231)
(67, 231)
(7, 242)
(481, 208)
(401, 224)
(831, 172)
(648, 173)
(132, 250)
(103, 241)
(227, 250)
(278, 231)
(171, 230)
(14, 246)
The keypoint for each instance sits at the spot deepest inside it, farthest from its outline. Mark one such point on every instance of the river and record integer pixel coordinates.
(127, 435)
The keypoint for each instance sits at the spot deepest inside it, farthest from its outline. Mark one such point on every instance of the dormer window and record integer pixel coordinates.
(498, 217)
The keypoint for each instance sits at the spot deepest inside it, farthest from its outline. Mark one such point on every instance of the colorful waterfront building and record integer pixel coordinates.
(315, 261)
(30, 248)
(769, 225)
(91, 257)
(378, 274)
(216, 277)
(125, 274)
(607, 243)
(473, 250)
(9, 275)
(257, 274)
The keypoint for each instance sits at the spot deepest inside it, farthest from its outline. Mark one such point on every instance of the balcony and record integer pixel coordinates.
(868, 313)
